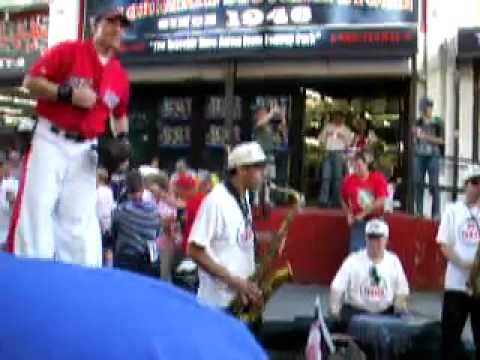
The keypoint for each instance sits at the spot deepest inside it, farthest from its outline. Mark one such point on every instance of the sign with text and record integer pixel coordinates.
(235, 27)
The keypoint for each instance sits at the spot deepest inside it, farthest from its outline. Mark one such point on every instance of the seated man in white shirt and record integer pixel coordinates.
(370, 280)
(367, 291)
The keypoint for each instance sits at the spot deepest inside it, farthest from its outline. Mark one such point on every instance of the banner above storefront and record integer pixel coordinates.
(233, 28)
(469, 43)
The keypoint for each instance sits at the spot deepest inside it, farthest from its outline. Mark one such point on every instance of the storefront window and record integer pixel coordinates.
(374, 127)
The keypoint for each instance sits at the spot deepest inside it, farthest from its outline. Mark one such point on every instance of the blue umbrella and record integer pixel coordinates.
(52, 311)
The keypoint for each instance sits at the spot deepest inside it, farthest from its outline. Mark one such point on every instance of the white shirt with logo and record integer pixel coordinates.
(227, 236)
(361, 289)
(459, 229)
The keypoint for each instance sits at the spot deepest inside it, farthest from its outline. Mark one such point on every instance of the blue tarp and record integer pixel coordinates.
(51, 311)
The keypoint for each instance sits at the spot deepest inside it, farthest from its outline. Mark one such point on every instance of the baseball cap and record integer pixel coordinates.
(425, 103)
(377, 228)
(186, 182)
(249, 153)
(111, 12)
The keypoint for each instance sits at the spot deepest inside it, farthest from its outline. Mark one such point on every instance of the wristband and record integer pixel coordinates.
(65, 93)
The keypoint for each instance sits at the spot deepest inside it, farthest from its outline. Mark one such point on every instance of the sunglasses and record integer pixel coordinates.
(374, 276)
(474, 181)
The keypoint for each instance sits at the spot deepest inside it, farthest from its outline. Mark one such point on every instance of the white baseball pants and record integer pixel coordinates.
(55, 214)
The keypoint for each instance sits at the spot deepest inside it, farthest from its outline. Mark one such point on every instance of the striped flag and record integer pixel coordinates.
(313, 350)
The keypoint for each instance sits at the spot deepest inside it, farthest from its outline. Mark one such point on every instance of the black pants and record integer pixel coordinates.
(138, 263)
(457, 306)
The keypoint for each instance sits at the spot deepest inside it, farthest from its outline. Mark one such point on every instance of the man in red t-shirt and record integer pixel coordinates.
(79, 86)
(363, 198)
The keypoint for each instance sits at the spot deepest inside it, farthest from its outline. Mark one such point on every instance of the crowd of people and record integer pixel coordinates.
(341, 144)
(9, 185)
(150, 221)
(146, 215)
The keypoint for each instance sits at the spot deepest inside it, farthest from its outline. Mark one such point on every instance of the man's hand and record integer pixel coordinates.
(350, 219)
(84, 97)
(417, 132)
(360, 216)
(248, 291)
(466, 265)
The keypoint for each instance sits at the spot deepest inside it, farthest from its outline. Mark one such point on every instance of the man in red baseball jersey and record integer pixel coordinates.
(79, 86)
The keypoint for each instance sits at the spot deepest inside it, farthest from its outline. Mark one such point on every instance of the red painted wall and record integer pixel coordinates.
(318, 241)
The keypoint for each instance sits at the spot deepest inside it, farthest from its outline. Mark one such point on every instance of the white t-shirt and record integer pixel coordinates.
(359, 286)
(221, 228)
(7, 185)
(333, 142)
(459, 229)
(105, 207)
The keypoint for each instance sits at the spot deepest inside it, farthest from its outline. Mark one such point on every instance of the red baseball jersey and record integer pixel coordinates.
(78, 63)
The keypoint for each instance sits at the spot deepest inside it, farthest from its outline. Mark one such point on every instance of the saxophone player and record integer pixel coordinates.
(458, 237)
(222, 238)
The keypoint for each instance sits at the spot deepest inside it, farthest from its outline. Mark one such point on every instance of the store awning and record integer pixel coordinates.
(307, 69)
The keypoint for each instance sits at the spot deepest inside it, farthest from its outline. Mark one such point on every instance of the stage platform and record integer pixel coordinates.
(290, 312)
(318, 240)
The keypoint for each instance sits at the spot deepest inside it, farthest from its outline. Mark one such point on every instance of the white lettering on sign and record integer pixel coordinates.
(253, 17)
(252, 41)
(12, 63)
(280, 40)
(226, 42)
(158, 45)
(182, 44)
(305, 40)
(187, 22)
(207, 43)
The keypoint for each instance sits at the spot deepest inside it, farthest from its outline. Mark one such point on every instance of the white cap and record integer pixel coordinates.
(472, 172)
(248, 153)
(377, 227)
(147, 170)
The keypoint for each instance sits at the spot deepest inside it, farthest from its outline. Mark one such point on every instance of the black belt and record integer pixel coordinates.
(73, 136)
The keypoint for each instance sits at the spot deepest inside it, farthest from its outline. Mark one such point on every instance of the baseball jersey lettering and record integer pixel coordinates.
(373, 290)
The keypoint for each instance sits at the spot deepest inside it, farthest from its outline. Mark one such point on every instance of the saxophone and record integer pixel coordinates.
(267, 279)
(473, 283)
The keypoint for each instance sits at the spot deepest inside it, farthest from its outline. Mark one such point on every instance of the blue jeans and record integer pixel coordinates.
(332, 173)
(427, 164)
(357, 236)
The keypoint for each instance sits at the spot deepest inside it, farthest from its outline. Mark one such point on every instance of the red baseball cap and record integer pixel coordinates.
(185, 182)
(111, 12)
